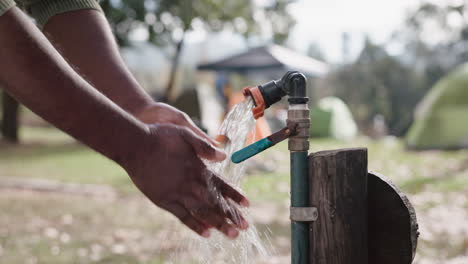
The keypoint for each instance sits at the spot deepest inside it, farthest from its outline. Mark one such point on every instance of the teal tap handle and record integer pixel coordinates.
(251, 150)
(259, 146)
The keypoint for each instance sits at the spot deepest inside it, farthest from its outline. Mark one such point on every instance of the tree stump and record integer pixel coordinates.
(393, 229)
(362, 217)
(338, 189)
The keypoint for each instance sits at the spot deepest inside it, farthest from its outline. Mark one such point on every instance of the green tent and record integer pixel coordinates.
(441, 118)
(332, 118)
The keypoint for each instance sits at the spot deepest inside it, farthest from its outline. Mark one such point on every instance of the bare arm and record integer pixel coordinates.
(162, 160)
(35, 73)
(85, 40)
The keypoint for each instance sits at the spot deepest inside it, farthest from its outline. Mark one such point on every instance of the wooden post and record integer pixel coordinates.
(10, 122)
(338, 189)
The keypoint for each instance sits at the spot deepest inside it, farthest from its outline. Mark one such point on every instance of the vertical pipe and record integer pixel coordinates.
(298, 146)
(299, 198)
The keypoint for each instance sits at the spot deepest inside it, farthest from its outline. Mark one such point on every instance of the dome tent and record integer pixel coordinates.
(441, 118)
(332, 118)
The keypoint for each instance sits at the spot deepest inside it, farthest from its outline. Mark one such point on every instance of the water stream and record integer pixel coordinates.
(237, 126)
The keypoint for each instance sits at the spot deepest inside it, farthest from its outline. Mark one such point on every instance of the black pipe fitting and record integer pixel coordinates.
(293, 84)
(272, 92)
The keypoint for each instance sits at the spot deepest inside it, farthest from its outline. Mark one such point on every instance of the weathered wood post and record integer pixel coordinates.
(10, 123)
(338, 189)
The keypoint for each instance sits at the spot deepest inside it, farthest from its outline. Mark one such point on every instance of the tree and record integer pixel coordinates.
(435, 38)
(280, 20)
(434, 41)
(167, 21)
(377, 83)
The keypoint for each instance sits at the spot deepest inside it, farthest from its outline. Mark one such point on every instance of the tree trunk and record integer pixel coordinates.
(169, 93)
(10, 118)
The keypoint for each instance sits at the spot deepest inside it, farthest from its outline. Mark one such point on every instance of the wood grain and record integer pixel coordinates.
(338, 180)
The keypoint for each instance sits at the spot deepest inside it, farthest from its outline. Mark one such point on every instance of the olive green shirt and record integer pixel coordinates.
(42, 10)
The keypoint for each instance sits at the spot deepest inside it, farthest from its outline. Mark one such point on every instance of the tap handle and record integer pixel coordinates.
(265, 143)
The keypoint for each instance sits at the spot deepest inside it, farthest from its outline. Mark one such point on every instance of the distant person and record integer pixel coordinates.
(73, 76)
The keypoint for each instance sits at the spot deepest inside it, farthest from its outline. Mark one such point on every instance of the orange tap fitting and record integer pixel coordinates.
(254, 92)
(222, 139)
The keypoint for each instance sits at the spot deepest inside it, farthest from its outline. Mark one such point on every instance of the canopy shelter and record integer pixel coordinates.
(441, 118)
(269, 58)
(262, 63)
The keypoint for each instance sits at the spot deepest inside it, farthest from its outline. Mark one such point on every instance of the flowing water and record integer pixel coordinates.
(237, 126)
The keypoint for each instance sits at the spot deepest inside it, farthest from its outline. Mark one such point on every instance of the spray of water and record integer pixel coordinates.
(237, 125)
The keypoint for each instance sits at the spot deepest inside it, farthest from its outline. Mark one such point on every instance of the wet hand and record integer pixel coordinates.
(167, 168)
(160, 113)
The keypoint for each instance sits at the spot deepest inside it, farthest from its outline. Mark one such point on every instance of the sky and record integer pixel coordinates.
(323, 22)
(319, 22)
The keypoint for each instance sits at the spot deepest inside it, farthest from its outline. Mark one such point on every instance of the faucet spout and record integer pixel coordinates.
(293, 84)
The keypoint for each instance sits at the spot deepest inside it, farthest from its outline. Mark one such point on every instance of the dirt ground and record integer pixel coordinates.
(86, 211)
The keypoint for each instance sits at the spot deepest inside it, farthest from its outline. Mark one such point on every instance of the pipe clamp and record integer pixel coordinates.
(303, 214)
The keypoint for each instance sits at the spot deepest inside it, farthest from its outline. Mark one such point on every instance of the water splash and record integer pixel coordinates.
(237, 126)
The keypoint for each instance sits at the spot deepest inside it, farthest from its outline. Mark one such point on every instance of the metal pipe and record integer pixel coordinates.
(299, 198)
(294, 85)
(298, 146)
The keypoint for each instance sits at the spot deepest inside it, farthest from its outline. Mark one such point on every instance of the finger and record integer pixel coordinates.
(229, 192)
(225, 207)
(216, 219)
(195, 129)
(187, 219)
(202, 147)
(235, 215)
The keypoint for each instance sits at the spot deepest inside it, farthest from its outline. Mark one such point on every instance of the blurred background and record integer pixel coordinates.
(390, 76)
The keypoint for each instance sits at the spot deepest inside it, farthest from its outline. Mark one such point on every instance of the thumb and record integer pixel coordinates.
(202, 147)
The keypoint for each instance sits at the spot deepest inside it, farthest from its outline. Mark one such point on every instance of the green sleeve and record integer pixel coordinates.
(43, 10)
(5, 5)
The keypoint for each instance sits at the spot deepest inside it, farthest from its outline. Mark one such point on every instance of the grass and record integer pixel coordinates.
(49, 154)
(27, 218)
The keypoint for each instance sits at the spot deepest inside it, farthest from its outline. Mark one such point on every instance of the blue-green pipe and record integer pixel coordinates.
(299, 198)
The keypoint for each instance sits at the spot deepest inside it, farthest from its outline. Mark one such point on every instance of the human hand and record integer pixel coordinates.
(167, 168)
(160, 113)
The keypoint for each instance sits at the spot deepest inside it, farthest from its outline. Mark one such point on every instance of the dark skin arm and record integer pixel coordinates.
(163, 160)
(85, 40)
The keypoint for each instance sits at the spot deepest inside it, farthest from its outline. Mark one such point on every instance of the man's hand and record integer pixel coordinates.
(160, 113)
(167, 168)
(163, 160)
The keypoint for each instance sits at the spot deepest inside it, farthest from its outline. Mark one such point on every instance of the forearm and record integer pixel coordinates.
(85, 40)
(33, 72)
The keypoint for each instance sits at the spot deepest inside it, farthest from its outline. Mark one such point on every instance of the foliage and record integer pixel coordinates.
(436, 38)
(379, 84)
(166, 20)
(433, 41)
